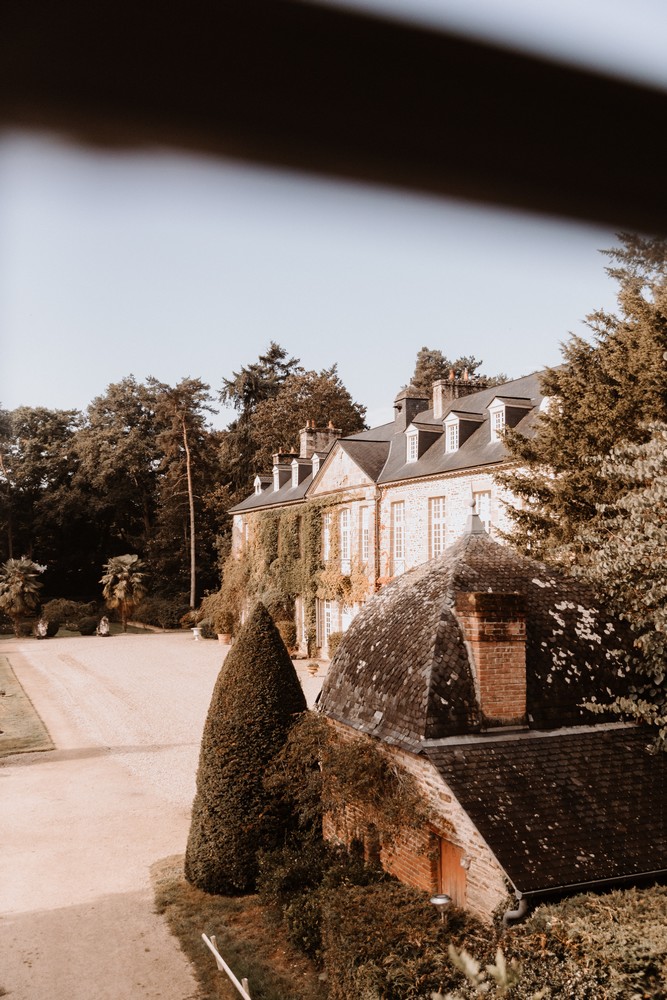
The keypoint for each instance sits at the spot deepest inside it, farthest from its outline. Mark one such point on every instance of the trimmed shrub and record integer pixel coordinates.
(88, 626)
(287, 631)
(256, 699)
(334, 643)
(215, 609)
(69, 613)
(162, 612)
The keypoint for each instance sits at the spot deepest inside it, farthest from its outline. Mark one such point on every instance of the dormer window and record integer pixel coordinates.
(412, 446)
(451, 434)
(497, 419)
(316, 464)
(276, 478)
(295, 473)
(258, 486)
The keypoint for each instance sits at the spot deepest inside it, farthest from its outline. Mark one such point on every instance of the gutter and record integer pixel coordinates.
(525, 899)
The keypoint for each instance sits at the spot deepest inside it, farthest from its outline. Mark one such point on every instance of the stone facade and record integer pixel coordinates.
(399, 494)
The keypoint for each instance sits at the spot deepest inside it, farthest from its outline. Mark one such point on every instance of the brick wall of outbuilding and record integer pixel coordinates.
(414, 857)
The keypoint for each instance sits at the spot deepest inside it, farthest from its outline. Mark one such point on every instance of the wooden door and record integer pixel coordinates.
(452, 874)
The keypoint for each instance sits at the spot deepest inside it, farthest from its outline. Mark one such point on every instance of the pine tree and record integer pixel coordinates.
(605, 393)
(256, 700)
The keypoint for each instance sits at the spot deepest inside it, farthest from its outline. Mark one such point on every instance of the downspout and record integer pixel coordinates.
(378, 499)
(517, 915)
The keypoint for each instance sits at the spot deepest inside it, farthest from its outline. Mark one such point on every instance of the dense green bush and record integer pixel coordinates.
(296, 879)
(287, 631)
(88, 625)
(162, 612)
(216, 610)
(333, 643)
(386, 942)
(68, 613)
(256, 700)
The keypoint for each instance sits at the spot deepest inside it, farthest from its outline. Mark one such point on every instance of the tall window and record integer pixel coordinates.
(365, 534)
(326, 536)
(436, 520)
(344, 525)
(412, 448)
(398, 536)
(483, 507)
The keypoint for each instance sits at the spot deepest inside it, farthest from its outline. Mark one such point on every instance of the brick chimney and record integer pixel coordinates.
(494, 626)
(312, 438)
(447, 389)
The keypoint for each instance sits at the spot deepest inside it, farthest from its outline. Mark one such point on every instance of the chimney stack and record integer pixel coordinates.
(494, 626)
(312, 438)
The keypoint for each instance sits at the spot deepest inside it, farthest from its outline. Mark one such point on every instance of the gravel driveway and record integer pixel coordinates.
(81, 825)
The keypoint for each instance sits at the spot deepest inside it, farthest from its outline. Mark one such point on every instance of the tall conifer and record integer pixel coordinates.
(256, 700)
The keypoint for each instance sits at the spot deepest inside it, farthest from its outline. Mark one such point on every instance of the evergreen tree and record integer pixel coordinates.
(432, 365)
(624, 553)
(606, 392)
(256, 700)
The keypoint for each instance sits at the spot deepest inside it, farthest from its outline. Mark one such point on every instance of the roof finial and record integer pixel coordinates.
(474, 525)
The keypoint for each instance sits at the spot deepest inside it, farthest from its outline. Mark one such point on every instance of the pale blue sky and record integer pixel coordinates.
(174, 265)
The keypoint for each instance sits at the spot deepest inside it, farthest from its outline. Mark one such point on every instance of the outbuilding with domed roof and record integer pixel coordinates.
(474, 672)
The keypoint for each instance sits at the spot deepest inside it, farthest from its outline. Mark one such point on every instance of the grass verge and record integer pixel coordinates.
(251, 943)
(21, 729)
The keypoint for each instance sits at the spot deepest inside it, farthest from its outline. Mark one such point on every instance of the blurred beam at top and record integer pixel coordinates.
(339, 93)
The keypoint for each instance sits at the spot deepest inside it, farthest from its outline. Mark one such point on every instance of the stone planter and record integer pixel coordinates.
(225, 637)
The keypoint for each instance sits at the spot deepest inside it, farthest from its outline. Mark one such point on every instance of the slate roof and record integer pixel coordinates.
(402, 673)
(381, 452)
(564, 810)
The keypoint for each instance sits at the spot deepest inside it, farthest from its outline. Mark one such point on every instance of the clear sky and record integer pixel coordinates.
(174, 265)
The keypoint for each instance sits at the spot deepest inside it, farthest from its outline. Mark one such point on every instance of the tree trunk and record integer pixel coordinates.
(191, 501)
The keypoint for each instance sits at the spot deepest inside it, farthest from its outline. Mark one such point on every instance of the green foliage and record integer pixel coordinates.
(624, 553)
(386, 942)
(215, 609)
(68, 613)
(163, 612)
(431, 365)
(298, 879)
(20, 588)
(603, 394)
(334, 642)
(123, 584)
(255, 701)
(88, 624)
(287, 631)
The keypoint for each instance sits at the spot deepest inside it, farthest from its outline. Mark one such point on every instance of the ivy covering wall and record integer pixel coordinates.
(282, 560)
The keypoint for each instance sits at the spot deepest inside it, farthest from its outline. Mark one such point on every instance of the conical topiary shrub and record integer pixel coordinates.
(256, 699)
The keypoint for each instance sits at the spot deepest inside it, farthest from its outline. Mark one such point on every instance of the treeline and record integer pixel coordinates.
(143, 471)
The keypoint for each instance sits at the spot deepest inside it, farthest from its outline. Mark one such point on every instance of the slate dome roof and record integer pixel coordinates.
(402, 671)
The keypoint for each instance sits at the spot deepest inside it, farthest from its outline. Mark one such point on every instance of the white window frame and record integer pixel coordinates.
(276, 478)
(412, 446)
(316, 465)
(344, 539)
(437, 526)
(365, 534)
(451, 435)
(398, 536)
(295, 473)
(496, 419)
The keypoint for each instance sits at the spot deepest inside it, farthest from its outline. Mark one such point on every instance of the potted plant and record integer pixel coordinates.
(223, 624)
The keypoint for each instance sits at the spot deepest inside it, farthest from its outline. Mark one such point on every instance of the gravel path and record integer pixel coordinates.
(81, 825)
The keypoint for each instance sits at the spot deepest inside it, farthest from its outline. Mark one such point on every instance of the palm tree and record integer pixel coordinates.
(123, 584)
(19, 589)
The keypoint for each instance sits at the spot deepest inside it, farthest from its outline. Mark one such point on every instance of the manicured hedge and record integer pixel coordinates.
(256, 699)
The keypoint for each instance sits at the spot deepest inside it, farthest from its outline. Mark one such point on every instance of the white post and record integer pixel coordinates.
(211, 944)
